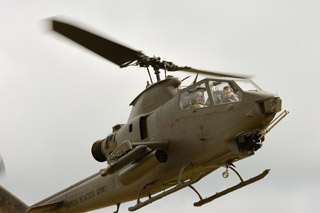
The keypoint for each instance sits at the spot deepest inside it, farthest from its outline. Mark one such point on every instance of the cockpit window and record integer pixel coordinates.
(247, 85)
(224, 92)
(196, 97)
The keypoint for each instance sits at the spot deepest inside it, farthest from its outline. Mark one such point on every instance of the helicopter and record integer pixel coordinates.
(173, 138)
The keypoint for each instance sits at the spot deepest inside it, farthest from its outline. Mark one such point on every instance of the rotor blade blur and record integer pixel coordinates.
(216, 74)
(2, 168)
(109, 50)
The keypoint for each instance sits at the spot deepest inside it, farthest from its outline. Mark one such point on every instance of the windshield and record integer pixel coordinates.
(224, 92)
(196, 97)
(247, 85)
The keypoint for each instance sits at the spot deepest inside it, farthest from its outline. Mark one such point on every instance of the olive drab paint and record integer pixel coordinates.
(173, 137)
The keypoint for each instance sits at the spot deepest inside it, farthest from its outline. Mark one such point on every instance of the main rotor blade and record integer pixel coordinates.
(122, 55)
(216, 74)
(2, 168)
(110, 50)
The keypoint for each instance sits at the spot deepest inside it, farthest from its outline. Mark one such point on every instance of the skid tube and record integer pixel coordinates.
(165, 193)
(181, 184)
(231, 189)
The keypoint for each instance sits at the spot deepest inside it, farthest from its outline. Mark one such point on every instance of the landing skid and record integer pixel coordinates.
(181, 184)
(165, 193)
(231, 189)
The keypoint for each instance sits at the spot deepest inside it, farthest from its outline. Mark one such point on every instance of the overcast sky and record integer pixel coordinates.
(57, 99)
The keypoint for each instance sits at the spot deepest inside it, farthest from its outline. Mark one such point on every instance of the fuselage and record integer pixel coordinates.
(204, 135)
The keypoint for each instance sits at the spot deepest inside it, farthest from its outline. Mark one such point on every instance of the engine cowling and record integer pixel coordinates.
(96, 151)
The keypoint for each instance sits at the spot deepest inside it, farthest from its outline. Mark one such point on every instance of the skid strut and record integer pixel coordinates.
(118, 207)
(181, 184)
(231, 189)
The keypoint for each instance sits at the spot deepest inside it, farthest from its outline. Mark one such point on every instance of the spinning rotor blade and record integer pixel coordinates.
(2, 168)
(216, 74)
(109, 50)
(122, 55)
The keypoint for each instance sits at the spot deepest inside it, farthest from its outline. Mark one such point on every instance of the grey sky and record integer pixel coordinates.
(57, 99)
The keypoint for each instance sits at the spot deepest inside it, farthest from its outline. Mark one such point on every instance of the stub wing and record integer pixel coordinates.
(45, 208)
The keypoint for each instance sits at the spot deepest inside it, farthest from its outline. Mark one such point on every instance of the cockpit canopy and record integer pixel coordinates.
(221, 91)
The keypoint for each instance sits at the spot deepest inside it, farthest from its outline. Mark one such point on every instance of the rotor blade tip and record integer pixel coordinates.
(2, 168)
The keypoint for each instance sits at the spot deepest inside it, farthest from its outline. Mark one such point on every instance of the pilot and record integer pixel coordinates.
(185, 102)
(198, 101)
(228, 95)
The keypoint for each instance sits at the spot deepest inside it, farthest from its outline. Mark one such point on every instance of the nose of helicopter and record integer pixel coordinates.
(272, 105)
(269, 105)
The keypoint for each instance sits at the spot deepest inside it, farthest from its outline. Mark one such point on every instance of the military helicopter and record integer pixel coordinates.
(173, 138)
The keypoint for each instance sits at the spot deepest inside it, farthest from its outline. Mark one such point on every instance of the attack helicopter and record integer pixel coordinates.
(173, 138)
